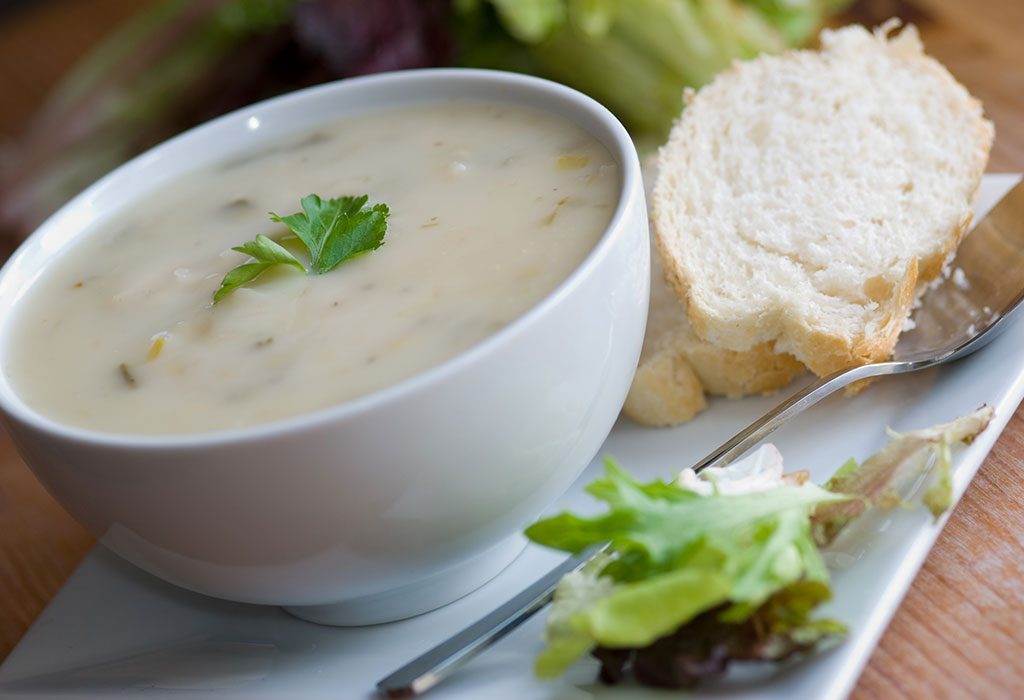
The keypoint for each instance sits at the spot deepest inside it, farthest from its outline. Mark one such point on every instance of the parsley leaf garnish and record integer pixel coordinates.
(337, 229)
(333, 231)
(267, 254)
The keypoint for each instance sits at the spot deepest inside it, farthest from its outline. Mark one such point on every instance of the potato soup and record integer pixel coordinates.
(491, 205)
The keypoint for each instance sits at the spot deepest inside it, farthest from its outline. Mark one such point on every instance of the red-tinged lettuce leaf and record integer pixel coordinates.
(779, 629)
(591, 609)
(355, 37)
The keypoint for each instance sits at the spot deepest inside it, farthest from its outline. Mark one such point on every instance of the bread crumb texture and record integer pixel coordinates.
(802, 200)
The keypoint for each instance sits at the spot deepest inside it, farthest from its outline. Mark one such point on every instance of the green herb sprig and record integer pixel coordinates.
(332, 230)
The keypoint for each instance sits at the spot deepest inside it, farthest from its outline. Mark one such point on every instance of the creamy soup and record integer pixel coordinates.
(492, 206)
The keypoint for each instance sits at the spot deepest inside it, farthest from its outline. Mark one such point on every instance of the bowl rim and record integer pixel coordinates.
(616, 139)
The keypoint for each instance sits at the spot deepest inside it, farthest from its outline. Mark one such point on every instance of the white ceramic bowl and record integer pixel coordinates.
(391, 504)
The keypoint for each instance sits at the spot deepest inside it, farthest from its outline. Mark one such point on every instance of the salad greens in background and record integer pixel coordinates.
(693, 581)
(182, 62)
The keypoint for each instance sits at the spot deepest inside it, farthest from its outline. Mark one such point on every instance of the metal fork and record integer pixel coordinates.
(962, 315)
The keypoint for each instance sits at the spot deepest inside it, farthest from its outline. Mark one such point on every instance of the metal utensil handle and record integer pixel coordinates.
(763, 426)
(425, 671)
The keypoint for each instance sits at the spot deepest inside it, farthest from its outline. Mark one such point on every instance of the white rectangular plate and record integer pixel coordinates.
(115, 632)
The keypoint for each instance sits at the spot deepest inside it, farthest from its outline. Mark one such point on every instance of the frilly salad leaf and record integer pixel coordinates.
(698, 575)
(676, 554)
(878, 481)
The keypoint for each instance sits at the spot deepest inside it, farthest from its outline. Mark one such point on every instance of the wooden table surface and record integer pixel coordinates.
(959, 632)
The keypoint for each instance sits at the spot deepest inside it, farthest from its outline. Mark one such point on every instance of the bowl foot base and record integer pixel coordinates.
(416, 598)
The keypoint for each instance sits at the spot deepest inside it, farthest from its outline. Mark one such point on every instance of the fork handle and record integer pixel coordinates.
(763, 426)
(430, 668)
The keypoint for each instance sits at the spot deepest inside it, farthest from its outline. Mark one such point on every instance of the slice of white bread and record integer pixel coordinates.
(677, 368)
(802, 199)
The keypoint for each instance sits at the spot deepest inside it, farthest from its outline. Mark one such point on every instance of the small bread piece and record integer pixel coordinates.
(665, 390)
(802, 199)
(677, 367)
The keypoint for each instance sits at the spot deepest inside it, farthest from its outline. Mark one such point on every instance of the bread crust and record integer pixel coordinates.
(665, 391)
(677, 369)
(670, 384)
(759, 370)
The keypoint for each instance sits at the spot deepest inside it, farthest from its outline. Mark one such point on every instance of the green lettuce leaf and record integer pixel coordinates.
(636, 614)
(675, 554)
(660, 526)
(565, 639)
(702, 649)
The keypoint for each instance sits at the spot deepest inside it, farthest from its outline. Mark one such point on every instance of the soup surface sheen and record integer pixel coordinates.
(492, 207)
